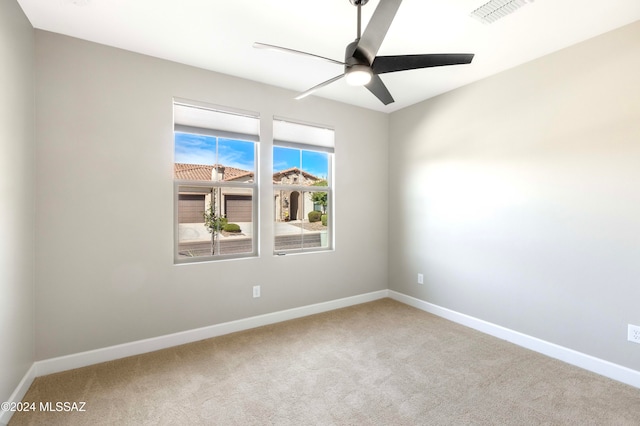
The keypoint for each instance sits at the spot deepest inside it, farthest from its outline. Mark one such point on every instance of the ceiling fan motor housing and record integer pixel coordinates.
(352, 56)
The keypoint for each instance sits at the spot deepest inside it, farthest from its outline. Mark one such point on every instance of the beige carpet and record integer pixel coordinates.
(380, 363)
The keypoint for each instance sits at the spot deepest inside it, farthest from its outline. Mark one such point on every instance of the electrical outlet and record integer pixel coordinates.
(256, 291)
(633, 333)
(420, 279)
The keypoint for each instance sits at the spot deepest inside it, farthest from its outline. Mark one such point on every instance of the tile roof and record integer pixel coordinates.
(192, 171)
(278, 175)
(184, 171)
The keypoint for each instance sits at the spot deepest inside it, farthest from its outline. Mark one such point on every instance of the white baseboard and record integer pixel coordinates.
(19, 393)
(83, 359)
(579, 359)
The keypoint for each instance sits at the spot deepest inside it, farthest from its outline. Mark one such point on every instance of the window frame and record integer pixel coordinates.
(201, 186)
(290, 143)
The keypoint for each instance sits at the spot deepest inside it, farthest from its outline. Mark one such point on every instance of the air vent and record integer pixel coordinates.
(490, 12)
(76, 2)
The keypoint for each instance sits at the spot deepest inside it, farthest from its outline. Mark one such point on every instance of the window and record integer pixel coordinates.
(303, 190)
(215, 184)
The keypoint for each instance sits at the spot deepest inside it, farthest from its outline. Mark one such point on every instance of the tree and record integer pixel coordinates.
(212, 221)
(320, 197)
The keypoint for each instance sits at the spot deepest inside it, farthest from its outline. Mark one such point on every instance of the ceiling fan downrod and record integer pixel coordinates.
(359, 4)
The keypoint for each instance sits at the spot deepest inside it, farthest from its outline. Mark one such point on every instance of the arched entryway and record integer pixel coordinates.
(294, 205)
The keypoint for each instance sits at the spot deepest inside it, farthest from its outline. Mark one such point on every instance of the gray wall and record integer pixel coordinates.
(518, 198)
(17, 189)
(104, 257)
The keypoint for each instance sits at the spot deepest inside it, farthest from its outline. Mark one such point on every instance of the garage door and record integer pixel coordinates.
(238, 208)
(190, 208)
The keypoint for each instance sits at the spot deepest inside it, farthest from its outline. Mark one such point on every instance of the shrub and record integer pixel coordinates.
(324, 220)
(212, 222)
(314, 216)
(232, 227)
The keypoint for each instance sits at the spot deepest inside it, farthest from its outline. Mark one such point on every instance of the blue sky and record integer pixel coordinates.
(200, 149)
(312, 162)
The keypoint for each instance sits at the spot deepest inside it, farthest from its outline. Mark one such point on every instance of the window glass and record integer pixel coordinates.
(214, 221)
(215, 186)
(302, 199)
(315, 163)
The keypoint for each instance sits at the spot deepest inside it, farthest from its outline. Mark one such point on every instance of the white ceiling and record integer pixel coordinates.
(218, 35)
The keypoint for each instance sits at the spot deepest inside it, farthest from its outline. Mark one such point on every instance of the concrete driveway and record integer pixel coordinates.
(197, 231)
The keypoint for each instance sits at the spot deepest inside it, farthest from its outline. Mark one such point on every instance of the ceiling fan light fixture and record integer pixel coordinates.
(358, 75)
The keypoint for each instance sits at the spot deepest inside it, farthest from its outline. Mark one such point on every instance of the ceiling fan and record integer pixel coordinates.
(362, 66)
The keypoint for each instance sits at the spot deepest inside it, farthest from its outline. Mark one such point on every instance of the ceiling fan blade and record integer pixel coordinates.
(258, 45)
(319, 86)
(377, 28)
(383, 64)
(377, 87)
